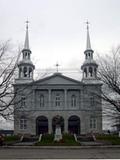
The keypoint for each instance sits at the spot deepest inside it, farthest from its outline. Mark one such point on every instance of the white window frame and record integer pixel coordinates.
(73, 101)
(41, 100)
(23, 123)
(93, 123)
(57, 100)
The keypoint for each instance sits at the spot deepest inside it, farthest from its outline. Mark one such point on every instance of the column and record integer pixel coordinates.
(80, 98)
(50, 126)
(32, 74)
(49, 98)
(88, 74)
(66, 125)
(33, 99)
(65, 91)
(22, 74)
(27, 72)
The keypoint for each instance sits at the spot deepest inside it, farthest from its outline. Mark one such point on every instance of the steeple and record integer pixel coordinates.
(26, 44)
(89, 66)
(88, 44)
(26, 66)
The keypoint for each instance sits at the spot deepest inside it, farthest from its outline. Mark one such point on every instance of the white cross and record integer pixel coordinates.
(87, 24)
(57, 65)
(27, 22)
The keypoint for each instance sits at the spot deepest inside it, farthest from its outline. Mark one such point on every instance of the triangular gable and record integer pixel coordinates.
(58, 78)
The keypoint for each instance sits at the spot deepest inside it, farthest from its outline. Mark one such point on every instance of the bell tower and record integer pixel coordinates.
(26, 66)
(89, 67)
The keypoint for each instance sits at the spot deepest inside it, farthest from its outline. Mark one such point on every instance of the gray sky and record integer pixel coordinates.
(57, 28)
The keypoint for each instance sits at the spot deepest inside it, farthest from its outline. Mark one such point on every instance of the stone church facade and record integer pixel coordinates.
(39, 104)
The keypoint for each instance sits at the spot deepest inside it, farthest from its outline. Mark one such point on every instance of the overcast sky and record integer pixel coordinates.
(57, 28)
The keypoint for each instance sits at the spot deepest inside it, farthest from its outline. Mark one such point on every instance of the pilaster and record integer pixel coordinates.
(49, 98)
(65, 92)
(66, 125)
(50, 126)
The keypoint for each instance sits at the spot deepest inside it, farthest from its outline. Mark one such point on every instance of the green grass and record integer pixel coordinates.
(48, 140)
(113, 139)
(11, 138)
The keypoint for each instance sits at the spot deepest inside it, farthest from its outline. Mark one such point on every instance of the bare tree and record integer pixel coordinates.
(8, 64)
(109, 73)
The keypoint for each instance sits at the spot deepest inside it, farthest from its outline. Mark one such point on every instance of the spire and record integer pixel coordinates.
(26, 44)
(89, 66)
(88, 44)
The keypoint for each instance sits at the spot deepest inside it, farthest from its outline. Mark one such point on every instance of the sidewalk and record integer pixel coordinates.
(61, 147)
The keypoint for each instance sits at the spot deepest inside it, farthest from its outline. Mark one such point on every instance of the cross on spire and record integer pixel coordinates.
(57, 65)
(27, 22)
(87, 24)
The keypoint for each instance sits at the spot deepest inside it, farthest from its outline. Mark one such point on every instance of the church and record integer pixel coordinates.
(40, 104)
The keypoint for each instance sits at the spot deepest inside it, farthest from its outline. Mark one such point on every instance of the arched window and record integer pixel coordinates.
(89, 54)
(26, 55)
(93, 123)
(92, 101)
(41, 101)
(73, 101)
(90, 71)
(30, 71)
(23, 123)
(95, 70)
(85, 72)
(23, 101)
(57, 100)
(25, 71)
(20, 72)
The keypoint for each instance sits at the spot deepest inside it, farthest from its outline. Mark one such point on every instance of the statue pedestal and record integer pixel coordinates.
(58, 134)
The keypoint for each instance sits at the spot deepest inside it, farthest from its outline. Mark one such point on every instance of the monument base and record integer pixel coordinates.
(58, 134)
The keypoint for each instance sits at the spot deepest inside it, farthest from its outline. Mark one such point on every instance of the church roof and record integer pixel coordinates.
(58, 78)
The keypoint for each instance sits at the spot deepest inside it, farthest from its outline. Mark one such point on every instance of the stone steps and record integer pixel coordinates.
(85, 138)
(30, 139)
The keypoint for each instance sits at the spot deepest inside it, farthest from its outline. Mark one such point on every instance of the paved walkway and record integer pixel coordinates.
(59, 147)
(55, 152)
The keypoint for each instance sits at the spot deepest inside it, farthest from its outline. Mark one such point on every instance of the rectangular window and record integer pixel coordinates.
(23, 124)
(93, 123)
(73, 101)
(41, 101)
(57, 100)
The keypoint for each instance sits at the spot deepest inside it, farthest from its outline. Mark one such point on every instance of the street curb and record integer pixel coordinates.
(59, 147)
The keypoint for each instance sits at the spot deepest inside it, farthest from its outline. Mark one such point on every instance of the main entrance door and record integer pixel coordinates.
(58, 120)
(41, 125)
(74, 124)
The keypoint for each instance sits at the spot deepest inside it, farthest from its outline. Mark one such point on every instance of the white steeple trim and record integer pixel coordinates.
(88, 44)
(26, 44)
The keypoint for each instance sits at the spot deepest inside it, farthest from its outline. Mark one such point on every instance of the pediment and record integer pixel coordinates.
(58, 79)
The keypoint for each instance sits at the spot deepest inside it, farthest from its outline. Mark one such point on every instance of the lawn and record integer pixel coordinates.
(113, 139)
(48, 140)
(9, 140)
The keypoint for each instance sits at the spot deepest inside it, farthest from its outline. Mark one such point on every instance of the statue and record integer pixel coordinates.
(58, 134)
